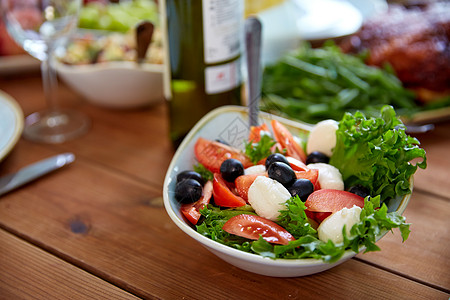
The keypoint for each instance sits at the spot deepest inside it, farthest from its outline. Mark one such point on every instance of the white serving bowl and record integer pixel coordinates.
(230, 123)
(121, 84)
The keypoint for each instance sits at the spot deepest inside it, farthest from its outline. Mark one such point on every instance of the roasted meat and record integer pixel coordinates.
(415, 41)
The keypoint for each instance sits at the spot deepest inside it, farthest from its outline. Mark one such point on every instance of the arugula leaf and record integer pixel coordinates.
(376, 153)
(204, 172)
(260, 150)
(313, 84)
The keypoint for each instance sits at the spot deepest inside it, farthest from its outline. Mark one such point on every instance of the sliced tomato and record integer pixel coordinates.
(296, 164)
(328, 200)
(286, 140)
(251, 227)
(212, 154)
(312, 175)
(192, 210)
(310, 214)
(255, 132)
(262, 161)
(320, 216)
(316, 217)
(223, 196)
(244, 182)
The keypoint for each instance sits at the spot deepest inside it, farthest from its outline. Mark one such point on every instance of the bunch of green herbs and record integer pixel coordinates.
(313, 84)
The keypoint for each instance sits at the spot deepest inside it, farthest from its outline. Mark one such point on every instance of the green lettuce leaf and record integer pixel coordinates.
(203, 171)
(294, 218)
(377, 153)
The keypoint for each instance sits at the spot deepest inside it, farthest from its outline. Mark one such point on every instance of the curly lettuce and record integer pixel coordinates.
(374, 222)
(377, 153)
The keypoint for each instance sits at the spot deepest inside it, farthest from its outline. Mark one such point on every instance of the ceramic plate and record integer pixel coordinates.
(11, 124)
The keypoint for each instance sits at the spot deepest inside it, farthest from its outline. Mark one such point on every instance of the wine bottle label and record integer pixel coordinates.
(222, 27)
(222, 78)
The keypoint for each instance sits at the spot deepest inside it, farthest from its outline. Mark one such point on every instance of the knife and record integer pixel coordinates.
(29, 173)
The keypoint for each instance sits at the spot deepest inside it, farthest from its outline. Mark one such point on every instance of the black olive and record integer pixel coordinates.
(275, 157)
(301, 188)
(231, 169)
(317, 157)
(282, 173)
(190, 174)
(359, 190)
(188, 190)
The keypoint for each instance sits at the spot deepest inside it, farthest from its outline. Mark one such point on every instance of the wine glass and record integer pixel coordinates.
(39, 26)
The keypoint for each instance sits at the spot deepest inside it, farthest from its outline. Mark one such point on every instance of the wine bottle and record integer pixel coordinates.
(203, 60)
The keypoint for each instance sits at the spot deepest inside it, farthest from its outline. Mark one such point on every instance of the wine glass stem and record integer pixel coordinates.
(50, 81)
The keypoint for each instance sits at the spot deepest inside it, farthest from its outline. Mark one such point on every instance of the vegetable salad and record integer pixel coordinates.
(282, 197)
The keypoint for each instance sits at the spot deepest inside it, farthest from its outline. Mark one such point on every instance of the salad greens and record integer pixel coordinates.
(316, 84)
(374, 223)
(260, 150)
(376, 153)
(213, 222)
(203, 171)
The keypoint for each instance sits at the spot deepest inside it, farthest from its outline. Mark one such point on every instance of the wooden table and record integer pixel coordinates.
(97, 229)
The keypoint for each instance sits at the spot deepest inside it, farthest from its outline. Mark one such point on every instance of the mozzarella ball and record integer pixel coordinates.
(257, 169)
(331, 227)
(329, 176)
(322, 137)
(267, 197)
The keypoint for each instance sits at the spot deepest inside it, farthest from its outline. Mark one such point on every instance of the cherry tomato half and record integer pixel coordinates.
(296, 164)
(212, 154)
(328, 200)
(192, 210)
(244, 182)
(310, 174)
(223, 196)
(286, 140)
(255, 132)
(251, 227)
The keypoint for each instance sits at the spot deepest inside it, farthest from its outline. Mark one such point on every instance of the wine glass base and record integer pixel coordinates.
(53, 127)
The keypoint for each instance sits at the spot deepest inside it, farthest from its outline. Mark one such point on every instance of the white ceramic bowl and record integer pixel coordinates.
(121, 84)
(230, 123)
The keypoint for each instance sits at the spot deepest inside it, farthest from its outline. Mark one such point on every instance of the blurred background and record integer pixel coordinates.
(406, 38)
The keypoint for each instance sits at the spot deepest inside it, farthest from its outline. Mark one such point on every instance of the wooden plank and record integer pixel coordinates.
(425, 256)
(108, 224)
(27, 272)
(99, 214)
(435, 178)
(139, 139)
